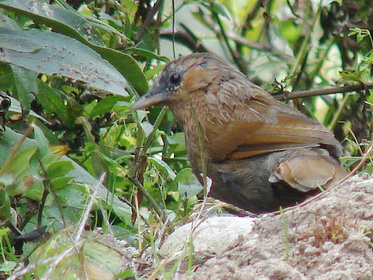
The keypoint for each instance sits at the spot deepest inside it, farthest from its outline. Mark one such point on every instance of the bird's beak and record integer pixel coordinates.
(153, 97)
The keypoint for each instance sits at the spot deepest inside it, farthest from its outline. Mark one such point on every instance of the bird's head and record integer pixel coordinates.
(183, 78)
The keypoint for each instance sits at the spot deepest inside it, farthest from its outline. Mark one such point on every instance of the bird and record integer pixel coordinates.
(260, 153)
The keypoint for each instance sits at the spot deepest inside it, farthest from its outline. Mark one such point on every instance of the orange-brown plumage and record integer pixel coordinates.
(260, 153)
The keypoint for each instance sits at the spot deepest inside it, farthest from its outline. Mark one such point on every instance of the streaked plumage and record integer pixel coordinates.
(260, 153)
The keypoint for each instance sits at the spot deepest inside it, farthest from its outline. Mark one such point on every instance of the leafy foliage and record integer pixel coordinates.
(68, 75)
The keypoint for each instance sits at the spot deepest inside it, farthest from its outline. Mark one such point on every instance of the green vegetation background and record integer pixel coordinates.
(74, 158)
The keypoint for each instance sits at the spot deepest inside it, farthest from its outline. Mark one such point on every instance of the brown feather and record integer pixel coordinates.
(260, 153)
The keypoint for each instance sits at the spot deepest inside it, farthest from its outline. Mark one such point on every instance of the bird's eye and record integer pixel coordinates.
(175, 78)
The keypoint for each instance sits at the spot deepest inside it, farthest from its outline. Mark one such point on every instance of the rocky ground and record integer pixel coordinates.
(329, 237)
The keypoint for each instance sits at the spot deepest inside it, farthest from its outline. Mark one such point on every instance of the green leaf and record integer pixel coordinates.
(25, 82)
(8, 266)
(162, 166)
(47, 54)
(81, 176)
(4, 204)
(59, 168)
(55, 102)
(105, 105)
(4, 232)
(8, 140)
(18, 170)
(220, 9)
(74, 196)
(72, 24)
(289, 30)
(97, 254)
(41, 141)
(148, 54)
(152, 72)
(126, 65)
(351, 74)
(187, 183)
(128, 273)
(64, 21)
(360, 33)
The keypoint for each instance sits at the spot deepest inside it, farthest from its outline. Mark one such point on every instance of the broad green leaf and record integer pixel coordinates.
(46, 53)
(162, 166)
(63, 183)
(105, 105)
(8, 140)
(20, 161)
(17, 169)
(41, 141)
(351, 74)
(126, 65)
(94, 256)
(187, 183)
(64, 21)
(59, 168)
(81, 176)
(75, 196)
(55, 102)
(73, 24)
(25, 82)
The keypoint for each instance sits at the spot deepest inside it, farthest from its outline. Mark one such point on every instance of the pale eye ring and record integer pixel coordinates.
(175, 78)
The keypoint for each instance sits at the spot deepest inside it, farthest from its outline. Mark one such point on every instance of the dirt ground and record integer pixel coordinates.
(330, 237)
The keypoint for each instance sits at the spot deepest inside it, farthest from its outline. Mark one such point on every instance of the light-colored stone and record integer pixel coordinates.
(213, 235)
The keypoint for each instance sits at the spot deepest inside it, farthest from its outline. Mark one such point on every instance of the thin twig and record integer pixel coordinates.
(147, 21)
(137, 169)
(184, 36)
(250, 16)
(253, 45)
(306, 93)
(157, 123)
(150, 199)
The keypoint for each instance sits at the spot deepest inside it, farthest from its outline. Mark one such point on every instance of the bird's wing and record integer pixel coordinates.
(262, 125)
(305, 170)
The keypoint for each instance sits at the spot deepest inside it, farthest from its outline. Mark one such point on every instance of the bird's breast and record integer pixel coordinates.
(201, 121)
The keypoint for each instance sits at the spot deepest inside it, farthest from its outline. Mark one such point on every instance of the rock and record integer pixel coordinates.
(212, 236)
(328, 238)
